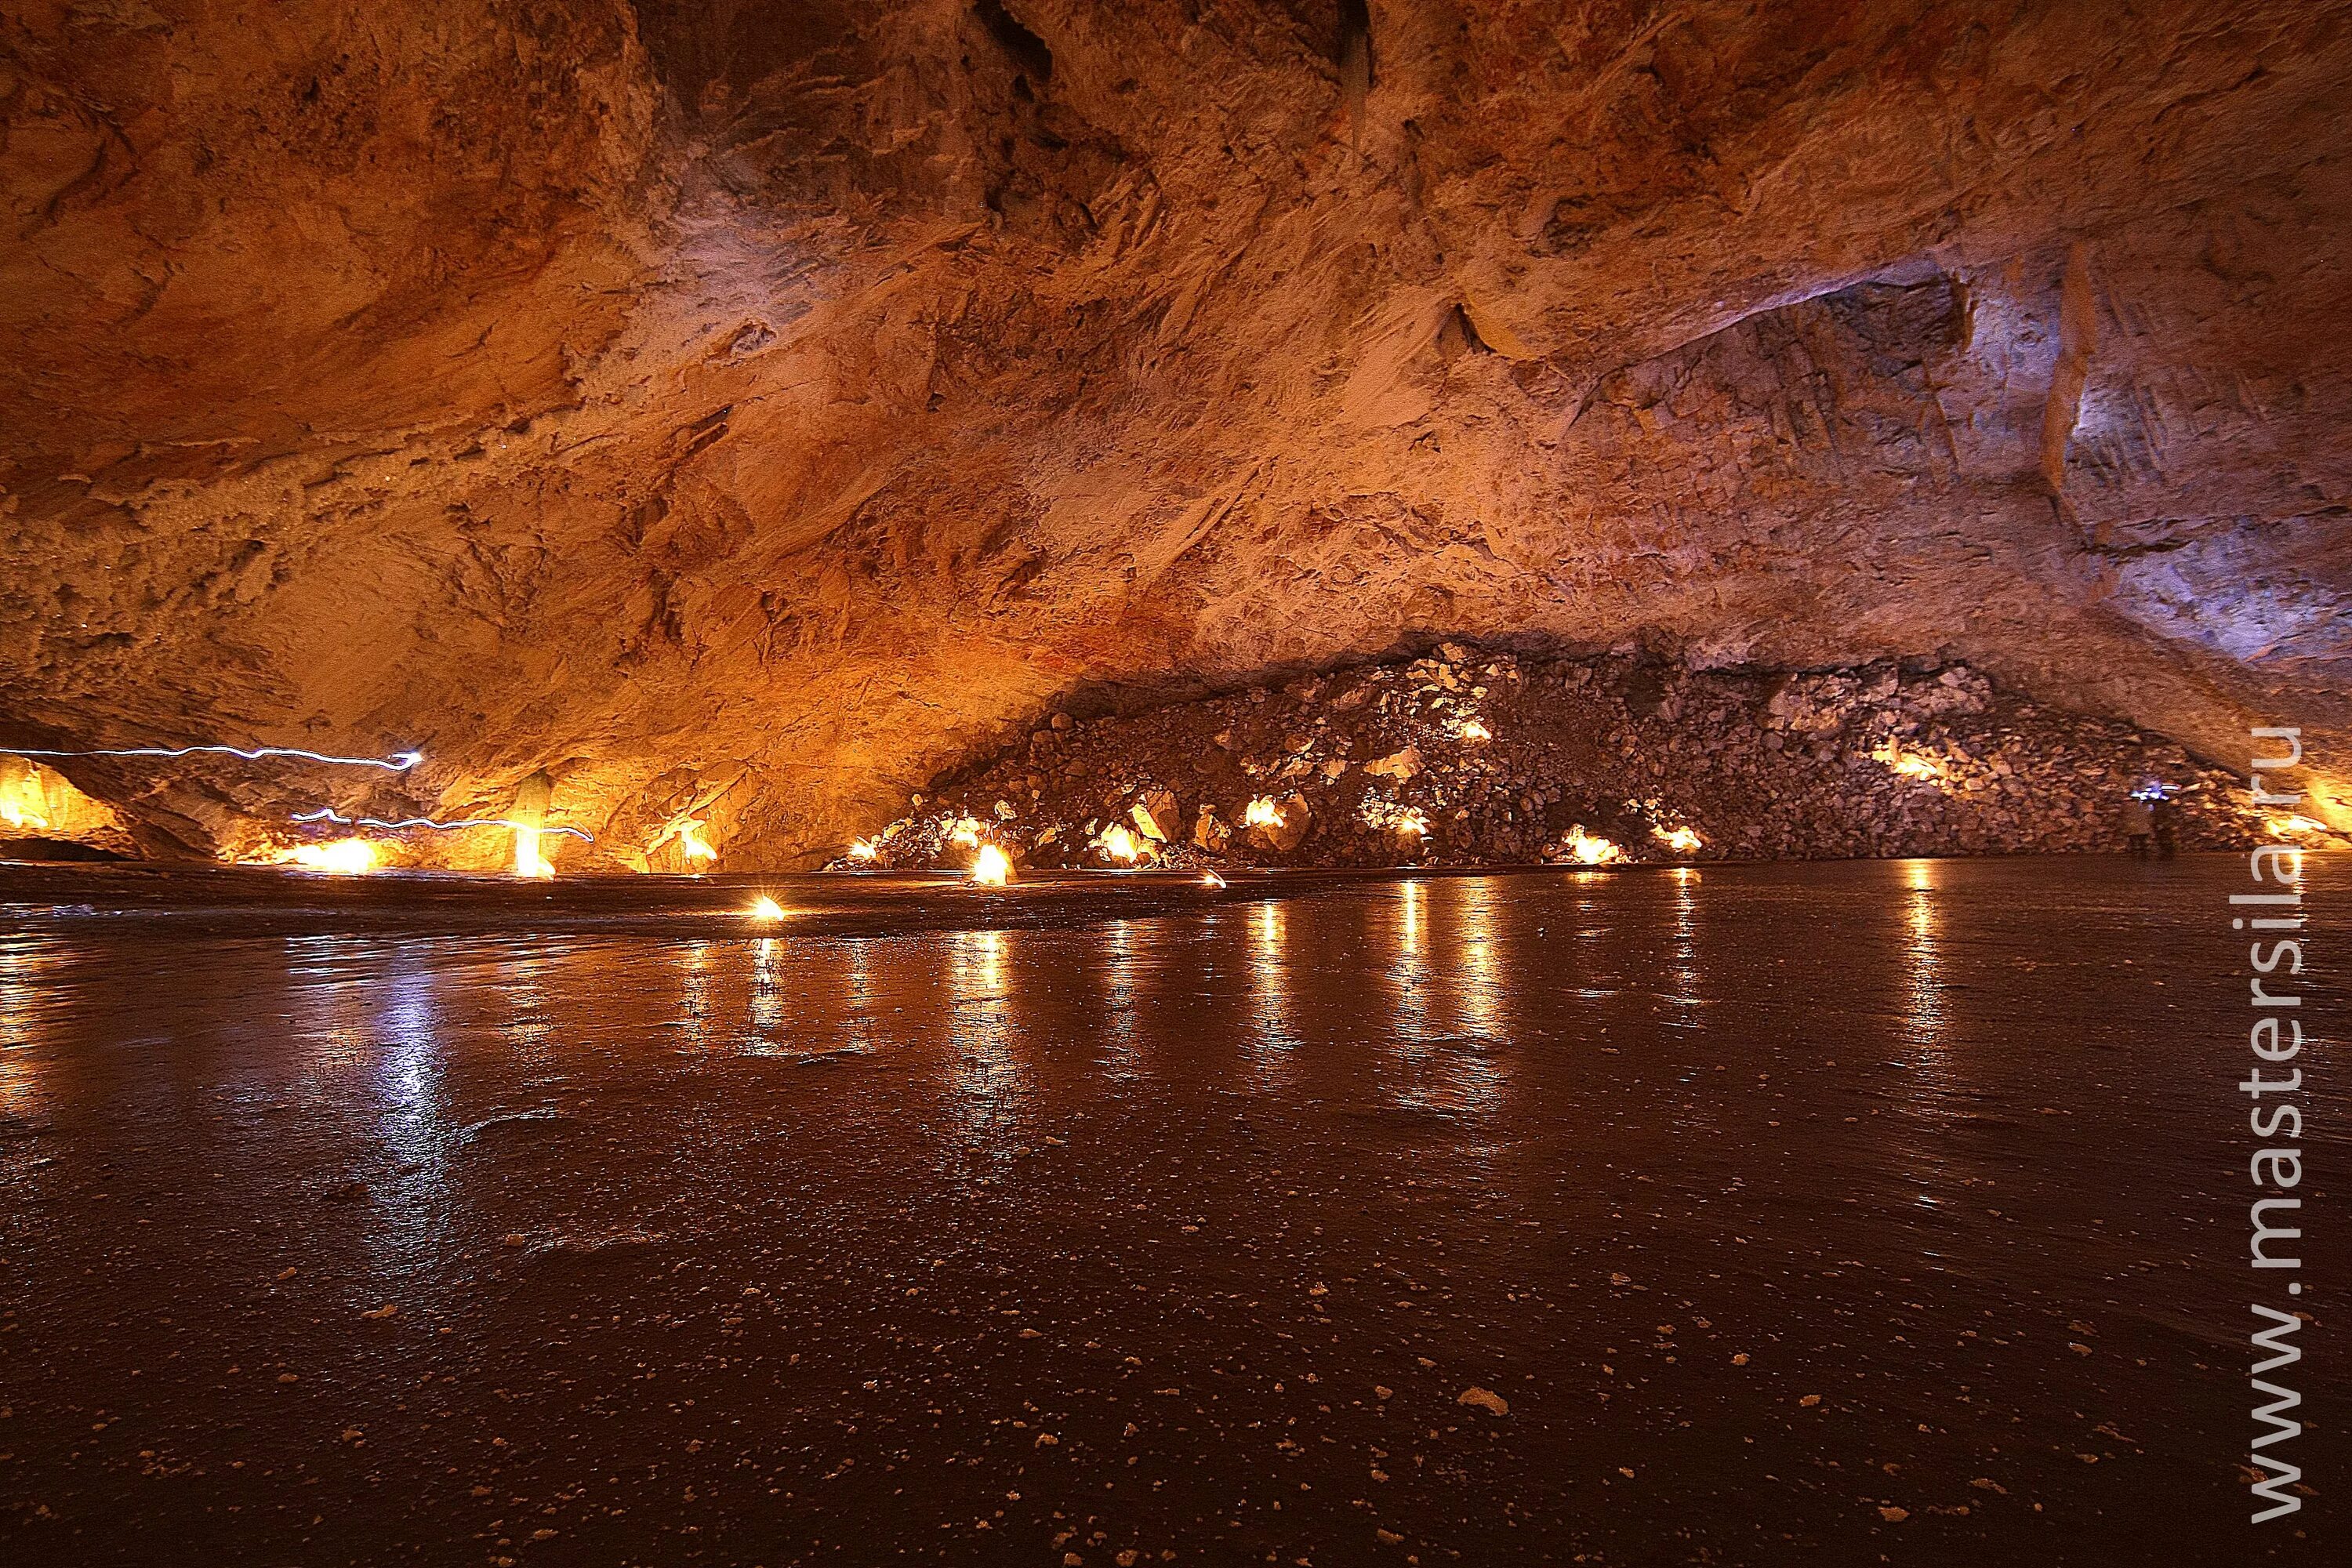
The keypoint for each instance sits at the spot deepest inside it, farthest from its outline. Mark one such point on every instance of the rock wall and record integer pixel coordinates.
(1469, 757)
(739, 413)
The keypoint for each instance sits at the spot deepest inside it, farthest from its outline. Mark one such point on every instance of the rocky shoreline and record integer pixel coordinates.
(1469, 757)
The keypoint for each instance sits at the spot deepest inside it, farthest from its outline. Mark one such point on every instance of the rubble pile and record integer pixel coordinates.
(1467, 757)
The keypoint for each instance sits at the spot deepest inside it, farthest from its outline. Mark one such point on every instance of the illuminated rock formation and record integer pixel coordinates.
(741, 412)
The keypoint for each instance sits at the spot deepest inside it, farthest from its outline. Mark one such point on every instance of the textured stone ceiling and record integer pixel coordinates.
(746, 407)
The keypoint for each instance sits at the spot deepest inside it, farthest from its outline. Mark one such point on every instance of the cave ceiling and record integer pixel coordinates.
(750, 407)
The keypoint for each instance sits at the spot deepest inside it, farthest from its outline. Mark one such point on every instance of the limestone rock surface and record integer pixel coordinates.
(741, 413)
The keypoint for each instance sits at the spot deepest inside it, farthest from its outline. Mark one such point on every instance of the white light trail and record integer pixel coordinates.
(329, 813)
(398, 763)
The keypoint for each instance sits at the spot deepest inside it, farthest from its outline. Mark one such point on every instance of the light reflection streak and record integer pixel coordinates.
(437, 825)
(1924, 1016)
(1122, 1053)
(694, 994)
(1272, 1036)
(988, 1085)
(1934, 1086)
(398, 763)
(1443, 1055)
(767, 1003)
(863, 1027)
(404, 1067)
(22, 960)
(1684, 968)
(1479, 967)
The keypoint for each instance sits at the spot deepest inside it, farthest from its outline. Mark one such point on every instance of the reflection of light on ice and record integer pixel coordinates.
(1924, 918)
(1478, 961)
(1121, 971)
(987, 1077)
(407, 1068)
(1685, 953)
(1449, 1016)
(993, 868)
(1272, 1041)
(22, 959)
(767, 1003)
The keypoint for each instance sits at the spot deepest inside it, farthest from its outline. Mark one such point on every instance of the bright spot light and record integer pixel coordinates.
(965, 834)
(2291, 827)
(992, 868)
(1681, 840)
(1907, 764)
(344, 857)
(23, 805)
(1585, 850)
(1210, 879)
(527, 861)
(1388, 817)
(1262, 813)
(691, 839)
(863, 849)
(1117, 843)
(764, 908)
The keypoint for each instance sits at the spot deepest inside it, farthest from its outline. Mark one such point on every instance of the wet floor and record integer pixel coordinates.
(1844, 1213)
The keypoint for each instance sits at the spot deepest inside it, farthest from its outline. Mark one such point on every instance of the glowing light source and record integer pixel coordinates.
(1262, 813)
(764, 908)
(344, 857)
(527, 861)
(23, 801)
(1907, 764)
(1388, 817)
(691, 839)
(1681, 840)
(398, 763)
(993, 868)
(864, 849)
(1585, 850)
(2294, 827)
(1210, 879)
(1117, 843)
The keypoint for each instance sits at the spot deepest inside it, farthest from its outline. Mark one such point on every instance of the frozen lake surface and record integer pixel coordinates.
(1776, 1214)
